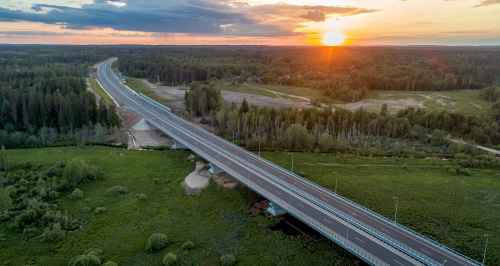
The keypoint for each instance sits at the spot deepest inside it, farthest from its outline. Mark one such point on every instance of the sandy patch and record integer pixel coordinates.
(260, 100)
(376, 104)
(175, 97)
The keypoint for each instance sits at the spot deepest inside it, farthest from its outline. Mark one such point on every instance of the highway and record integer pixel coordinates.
(364, 233)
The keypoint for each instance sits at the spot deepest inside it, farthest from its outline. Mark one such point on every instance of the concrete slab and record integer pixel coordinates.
(197, 180)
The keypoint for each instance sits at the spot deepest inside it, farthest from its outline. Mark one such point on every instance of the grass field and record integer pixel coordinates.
(216, 221)
(455, 210)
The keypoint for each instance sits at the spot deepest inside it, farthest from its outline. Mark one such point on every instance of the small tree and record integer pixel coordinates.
(3, 160)
(228, 260)
(244, 108)
(155, 242)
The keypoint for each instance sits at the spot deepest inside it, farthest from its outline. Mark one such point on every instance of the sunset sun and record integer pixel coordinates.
(333, 39)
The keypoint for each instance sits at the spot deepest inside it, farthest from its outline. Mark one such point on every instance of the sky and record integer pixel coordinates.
(252, 22)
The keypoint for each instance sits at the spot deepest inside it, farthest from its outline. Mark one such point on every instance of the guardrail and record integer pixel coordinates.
(346, 244)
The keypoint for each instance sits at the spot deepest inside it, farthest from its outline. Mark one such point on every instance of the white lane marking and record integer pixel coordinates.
(398, 262)
(360, 240)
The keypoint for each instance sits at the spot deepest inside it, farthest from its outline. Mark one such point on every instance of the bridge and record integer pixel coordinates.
(366, 234)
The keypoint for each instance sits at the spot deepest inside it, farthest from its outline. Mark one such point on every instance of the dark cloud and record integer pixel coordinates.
(216, 17)
(488, 3)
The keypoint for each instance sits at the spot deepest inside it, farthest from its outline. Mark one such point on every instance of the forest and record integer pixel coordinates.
(342, 73)
(44, 97)
(409, 132)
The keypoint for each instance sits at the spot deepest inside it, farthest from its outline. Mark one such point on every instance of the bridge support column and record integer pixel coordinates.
(275, 210)
(178, 146)
(214, 170)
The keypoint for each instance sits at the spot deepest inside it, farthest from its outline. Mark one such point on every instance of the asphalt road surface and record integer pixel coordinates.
(366, 234)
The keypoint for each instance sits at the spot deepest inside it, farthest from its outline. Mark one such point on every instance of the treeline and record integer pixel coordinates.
(183, 65)
(492, 95)
(341, 73)
(43, 100)
(328, 130)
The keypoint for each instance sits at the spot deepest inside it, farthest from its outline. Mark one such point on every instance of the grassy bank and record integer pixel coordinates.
(139, 86)
(100, 91)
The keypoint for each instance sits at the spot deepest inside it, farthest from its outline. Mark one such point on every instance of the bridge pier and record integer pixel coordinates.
(178, 146)
(275, 210)
(214, 170)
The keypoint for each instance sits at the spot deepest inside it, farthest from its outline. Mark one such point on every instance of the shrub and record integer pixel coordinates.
(188, 245)
(156, 241)
(54, 233)
(227, 260)
(85, 260)
(95, 252)
(76, 194)
(117, 190)
(169, 259)
(156, 180)
(141, 196)
(76, 172)
(30, 232)
(5, 201)
(100, 210)
(463, 171)
(110, 263)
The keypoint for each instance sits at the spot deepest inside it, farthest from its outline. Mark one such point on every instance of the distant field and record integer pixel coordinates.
(217, 221)
(455, 210)
(459, 101)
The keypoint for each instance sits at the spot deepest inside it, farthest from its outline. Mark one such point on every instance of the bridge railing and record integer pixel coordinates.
(401, 247)
(337, 238)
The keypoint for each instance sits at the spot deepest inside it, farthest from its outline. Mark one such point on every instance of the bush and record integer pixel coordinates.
(5, 201)
(76, 172)
(169, 259)
(156, 241)
(188, 245)
(463, 171)
(228, 260)
(54, 233)
(141, 196)
(95, 252)
(76, 194)
(117, 190)
(156, 180)
(100, 210)
(85, 260)
(110, 263)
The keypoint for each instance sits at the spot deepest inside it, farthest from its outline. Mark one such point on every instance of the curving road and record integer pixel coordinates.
(364, 233)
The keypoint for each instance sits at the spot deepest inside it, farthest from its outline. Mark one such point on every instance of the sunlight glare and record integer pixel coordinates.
(333, 38)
